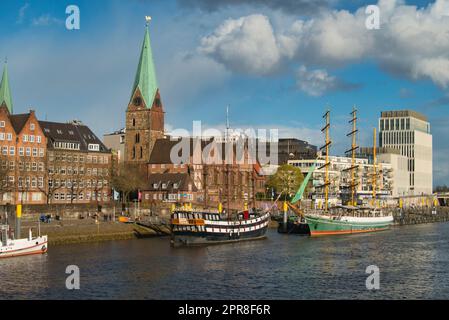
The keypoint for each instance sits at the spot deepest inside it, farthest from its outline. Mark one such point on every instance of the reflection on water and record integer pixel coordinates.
(413, 261)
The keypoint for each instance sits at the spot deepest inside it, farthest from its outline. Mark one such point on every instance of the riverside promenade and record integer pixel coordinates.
(86, 230)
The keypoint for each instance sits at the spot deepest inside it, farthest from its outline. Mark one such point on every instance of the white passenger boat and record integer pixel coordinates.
(20, 247)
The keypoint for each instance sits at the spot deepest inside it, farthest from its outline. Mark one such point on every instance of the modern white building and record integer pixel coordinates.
(116, 142)
(409, 132)
(398, 162)
(340, 178)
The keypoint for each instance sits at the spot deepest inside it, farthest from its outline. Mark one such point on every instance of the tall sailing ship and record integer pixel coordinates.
(351, 218)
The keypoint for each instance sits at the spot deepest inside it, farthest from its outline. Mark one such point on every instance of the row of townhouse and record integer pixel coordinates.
(49, 162)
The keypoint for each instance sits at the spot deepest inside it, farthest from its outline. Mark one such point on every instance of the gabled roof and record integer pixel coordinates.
(70, 132)
(18, 121)
(156, 181)
(146, 73)
(5, 92)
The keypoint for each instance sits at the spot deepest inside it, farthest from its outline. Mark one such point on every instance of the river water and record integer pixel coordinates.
(413, 263)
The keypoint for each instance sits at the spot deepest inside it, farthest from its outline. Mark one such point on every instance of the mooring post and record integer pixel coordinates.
(18, 218)
(285, 215)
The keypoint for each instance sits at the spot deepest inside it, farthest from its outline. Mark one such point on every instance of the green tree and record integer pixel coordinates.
(286, 180)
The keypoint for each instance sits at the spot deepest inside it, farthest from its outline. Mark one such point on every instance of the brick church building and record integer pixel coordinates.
(147, 146)
(145, 112)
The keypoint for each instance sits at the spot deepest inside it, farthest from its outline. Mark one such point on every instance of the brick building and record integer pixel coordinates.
(145, 112)
(49, 162)
(79, 165)
(210, 179)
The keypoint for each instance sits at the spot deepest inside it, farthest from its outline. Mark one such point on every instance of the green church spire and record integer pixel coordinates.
(146, 73)
(5, 93)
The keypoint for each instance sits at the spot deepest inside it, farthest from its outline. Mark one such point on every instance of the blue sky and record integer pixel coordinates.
(276, 63)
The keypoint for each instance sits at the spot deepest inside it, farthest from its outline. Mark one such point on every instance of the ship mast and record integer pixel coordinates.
(374, 167)
(326, 165)
(228, 184)
(352, 151)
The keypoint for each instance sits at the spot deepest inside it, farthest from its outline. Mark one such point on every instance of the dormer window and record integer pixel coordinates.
(94, 147)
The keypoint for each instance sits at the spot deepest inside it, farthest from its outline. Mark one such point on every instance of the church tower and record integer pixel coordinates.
(5, 93)
(145, 113)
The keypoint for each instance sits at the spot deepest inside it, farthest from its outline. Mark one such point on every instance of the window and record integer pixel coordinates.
(28, 151)
(56, 196)
(9, 136)
(41, 182)
(93, 147)
(2, 136)
(2, 124)
(11, 165)
(38, 139)
(5, 150)
(34, 166)
(12, 151)
(31, 126)
(41, 152)
(34, 152)
(21, 151)
(25, 138)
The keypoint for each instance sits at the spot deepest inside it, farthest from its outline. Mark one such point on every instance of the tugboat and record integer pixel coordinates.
(10, 247)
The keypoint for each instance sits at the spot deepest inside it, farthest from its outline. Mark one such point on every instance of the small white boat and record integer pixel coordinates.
(20, 247)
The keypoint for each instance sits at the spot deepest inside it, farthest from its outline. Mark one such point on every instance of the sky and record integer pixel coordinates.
(276, 63)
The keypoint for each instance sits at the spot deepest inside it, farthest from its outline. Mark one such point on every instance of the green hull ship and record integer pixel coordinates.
(321, 225)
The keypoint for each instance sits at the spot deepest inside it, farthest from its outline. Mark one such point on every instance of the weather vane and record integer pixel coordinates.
(148, 19)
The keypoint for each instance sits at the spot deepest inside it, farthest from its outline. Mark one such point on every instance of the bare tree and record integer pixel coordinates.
(129, 178)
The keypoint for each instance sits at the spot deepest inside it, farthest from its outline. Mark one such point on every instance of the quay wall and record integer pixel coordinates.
(421, 215)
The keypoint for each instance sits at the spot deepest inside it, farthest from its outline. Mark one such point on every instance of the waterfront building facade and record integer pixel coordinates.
(211, 178)
(340, 179)
(400, 183)
(44, 162)
(409, 132)
(79, 165)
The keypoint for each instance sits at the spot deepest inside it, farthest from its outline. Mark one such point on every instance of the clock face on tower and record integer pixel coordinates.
(137, 101)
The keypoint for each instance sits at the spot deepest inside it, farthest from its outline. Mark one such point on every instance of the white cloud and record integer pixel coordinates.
(318, 82)
(22, 12)
(46, 20)
(412, 42)
(245, 45)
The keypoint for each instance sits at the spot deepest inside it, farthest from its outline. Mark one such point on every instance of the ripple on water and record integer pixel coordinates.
(413, 261)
